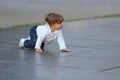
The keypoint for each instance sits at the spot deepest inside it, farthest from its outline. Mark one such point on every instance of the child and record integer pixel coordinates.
(40, 35)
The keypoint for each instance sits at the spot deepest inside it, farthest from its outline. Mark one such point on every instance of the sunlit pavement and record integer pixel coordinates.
(95, 55)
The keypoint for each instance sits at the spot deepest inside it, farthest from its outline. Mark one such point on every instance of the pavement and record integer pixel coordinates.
(95, 55)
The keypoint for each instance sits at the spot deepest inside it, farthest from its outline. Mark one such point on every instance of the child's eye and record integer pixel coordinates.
(59, 22)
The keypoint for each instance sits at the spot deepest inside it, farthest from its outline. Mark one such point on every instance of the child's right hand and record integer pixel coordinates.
(39, 50)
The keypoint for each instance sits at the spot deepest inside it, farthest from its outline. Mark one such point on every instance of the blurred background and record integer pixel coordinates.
(14, 12)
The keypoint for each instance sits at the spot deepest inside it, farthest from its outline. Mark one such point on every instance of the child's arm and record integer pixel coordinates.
(39, 43)
(61, 42)
(40, 37)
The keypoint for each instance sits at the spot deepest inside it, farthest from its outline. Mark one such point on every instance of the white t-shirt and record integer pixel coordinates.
(45, 35)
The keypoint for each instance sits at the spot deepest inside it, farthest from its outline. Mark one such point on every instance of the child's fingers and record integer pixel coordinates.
(39, 50)
(66, 50)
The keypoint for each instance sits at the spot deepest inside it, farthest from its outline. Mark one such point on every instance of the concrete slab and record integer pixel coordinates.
(95, 46)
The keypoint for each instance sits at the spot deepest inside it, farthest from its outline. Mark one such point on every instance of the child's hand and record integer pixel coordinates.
(66, 50)
(39, 50)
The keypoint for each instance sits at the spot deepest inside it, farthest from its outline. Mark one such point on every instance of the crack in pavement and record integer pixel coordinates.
(109, 69)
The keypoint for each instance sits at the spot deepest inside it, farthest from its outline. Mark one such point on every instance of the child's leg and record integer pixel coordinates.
(33, 36)
(42, 45)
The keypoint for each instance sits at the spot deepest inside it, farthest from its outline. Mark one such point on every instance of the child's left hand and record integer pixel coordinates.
(66, 50)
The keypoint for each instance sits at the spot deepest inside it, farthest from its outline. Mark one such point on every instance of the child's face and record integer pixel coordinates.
(58, 26)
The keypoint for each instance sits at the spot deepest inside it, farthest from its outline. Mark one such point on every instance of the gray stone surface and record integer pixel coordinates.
(95, 46)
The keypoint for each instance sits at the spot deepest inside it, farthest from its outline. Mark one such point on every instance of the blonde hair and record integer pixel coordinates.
(53, 18)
